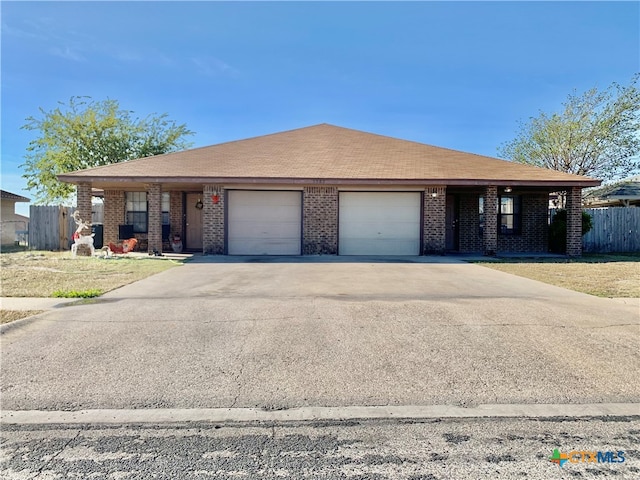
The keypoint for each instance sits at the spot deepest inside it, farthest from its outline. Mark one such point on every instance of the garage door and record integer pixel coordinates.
(264, 223)
(379, 223)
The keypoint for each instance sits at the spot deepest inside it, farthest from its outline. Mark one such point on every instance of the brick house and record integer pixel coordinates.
(330, 190)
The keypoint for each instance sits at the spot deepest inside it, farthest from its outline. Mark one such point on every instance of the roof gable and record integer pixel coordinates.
(327, 153)
(13, 196)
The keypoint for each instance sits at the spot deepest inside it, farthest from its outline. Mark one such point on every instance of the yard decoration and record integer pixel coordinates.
(176, 244)
(125, 247)
(78, 237)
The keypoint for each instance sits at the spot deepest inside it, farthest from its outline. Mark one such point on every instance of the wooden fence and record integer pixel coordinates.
(50, 227)
(615, 229)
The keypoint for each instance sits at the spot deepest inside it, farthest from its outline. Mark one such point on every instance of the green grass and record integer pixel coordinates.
(41, 274)
(602, 275)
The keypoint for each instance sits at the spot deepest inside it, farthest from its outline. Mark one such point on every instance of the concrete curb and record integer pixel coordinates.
(26, 417)
(22, 322)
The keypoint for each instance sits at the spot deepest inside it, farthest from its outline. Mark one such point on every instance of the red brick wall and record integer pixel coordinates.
(114, 214)
(213, 220)
(534, 236)
(434, 219)
(175, 214)
(574, 221)
(154, 227)
(84, 209)
(320, 220)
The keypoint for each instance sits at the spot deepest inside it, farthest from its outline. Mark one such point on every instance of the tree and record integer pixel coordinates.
(596, 134)
(85, 133)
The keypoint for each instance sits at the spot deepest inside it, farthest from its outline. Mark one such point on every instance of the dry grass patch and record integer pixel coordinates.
(40, 274)
(7, 316)
(614, 276)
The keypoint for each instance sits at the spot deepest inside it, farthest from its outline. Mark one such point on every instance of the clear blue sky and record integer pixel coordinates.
(454, 74)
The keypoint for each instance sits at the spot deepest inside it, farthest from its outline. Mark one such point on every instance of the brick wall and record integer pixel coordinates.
(114, 214)
(490, 232)
(154, 226)
(320, 220)
(175, 214)
(574, 221)
(213, 220)
(469, 224)
(535, 231)
(534, 236)
(434, 219)
(84, 209)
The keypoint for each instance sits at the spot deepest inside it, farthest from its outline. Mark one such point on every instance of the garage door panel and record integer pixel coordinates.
(264, 223)
(380, 223)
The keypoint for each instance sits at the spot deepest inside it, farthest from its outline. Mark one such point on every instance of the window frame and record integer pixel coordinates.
(515, 215)
(139, 217)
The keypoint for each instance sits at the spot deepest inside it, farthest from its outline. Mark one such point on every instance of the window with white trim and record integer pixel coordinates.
(138, 210)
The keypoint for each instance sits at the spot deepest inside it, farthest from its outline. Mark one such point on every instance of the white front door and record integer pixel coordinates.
(379, 223)
(262, 222)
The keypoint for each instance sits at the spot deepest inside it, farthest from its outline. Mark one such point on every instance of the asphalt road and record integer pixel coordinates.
(279, 334)
(373, 450)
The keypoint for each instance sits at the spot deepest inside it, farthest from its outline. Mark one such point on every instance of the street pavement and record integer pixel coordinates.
(432, 449)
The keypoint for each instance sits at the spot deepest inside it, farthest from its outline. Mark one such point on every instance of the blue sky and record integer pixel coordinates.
(454, 74)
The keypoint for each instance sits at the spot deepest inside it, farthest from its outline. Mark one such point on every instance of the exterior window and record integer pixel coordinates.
(509, 217)
(138, 212)
(166, 203)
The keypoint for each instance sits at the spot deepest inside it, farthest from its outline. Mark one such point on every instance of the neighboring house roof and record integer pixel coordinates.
(624, 192)
(12, 196)
(328, 153)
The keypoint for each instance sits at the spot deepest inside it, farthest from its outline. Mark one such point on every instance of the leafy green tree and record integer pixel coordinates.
(596, 134)
(86, 133)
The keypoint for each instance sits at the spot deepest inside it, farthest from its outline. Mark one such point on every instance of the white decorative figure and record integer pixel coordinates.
(79, 238)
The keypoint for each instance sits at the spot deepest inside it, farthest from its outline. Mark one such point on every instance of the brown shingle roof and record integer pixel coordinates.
(12, 196)
(325, 152)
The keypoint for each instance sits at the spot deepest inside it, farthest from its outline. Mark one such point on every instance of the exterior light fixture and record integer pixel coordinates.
(434, 194)
(507, 189)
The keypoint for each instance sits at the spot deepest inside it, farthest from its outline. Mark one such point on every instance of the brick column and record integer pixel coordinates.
(176, 214)
(320, 220)
(114, 214)
(84, 212)
(434, 222)
(490, 232)
(213, 220)
(154, 225)
(574, 221)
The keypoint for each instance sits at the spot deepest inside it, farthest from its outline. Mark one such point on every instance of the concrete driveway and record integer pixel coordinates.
(280, 333)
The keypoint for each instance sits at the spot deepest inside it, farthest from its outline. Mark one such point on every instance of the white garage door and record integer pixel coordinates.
(264, 223)
(379, 223)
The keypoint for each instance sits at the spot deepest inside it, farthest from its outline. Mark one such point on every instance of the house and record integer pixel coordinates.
(625, 193)
(330, 190)
(11, 222)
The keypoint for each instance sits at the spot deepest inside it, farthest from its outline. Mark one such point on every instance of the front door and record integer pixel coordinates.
(451, 224)
(193, 232)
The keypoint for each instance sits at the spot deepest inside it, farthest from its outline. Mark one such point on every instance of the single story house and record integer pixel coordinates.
(330, 190)
(11, 221)
(625, 193)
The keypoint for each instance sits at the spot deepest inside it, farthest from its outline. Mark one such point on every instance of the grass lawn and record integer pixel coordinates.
(613, 276)
(41, 274)
(7, 316)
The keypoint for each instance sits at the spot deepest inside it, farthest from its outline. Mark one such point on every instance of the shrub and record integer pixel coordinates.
(76, 293)
(558, 230)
